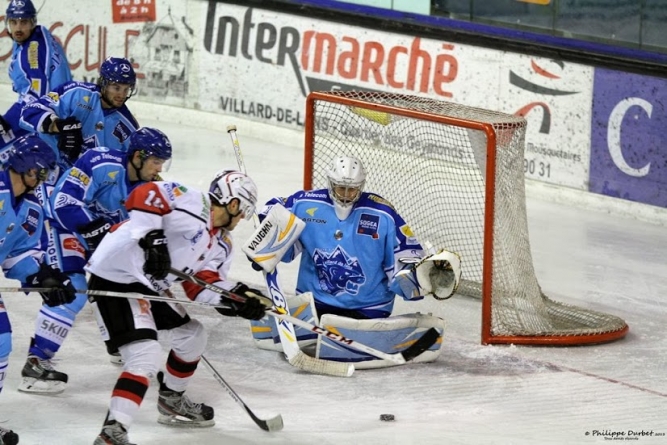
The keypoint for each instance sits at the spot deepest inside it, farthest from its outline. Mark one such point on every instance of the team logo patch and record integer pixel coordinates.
(338, 272)
(369, 225)
(31, 221)
(72, 247)
(122, 131)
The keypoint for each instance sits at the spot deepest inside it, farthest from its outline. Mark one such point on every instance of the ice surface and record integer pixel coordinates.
(471, 395)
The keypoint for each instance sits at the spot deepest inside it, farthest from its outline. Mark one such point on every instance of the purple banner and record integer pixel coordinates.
(629, 137)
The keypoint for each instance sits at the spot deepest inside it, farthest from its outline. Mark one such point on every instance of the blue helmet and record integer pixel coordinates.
(21, 9)
(31, 152)
(117, 70)
(150, 142)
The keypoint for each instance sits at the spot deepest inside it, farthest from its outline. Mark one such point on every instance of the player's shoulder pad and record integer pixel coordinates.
(75, 85)
(376, 201)
(317, 195)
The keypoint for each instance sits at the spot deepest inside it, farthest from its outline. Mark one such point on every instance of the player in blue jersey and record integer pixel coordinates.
(356, 255)
(38, 64)
(87, 200)
(77, 116)
(29, 161)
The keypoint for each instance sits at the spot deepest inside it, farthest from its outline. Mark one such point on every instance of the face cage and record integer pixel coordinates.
(344, 201)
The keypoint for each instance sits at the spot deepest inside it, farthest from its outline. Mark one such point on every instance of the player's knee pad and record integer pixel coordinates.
(142, 357)
(189, 341)
(265, 331)
(5, 344)
(389, 335)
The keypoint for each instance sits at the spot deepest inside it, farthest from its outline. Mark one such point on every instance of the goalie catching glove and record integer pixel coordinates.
(253, 308)
(438, 274)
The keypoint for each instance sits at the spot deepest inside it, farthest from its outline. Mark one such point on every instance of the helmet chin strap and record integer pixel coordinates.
(231, 216)
(28, 188)
(137, 170)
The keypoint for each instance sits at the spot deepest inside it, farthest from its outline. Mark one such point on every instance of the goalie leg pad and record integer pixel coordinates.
(265, 331)
(390, 335)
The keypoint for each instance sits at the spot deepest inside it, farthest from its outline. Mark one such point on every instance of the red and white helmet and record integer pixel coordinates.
(230, 184)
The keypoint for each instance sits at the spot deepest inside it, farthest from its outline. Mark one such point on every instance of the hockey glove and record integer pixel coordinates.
(93, 232)
(62, 291)
(252, 308)
(70, 141)
(156, 254)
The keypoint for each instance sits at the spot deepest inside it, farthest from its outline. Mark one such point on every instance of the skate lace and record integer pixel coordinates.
(117, 433)
(187, 405)
(44, 363)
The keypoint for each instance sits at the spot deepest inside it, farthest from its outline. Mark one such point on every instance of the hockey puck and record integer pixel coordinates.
(387, 417)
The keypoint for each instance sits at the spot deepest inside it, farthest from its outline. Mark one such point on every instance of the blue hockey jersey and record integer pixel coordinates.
(95, 187)
(349, 264)
(21, 222)
(100, 127)
(38, 65)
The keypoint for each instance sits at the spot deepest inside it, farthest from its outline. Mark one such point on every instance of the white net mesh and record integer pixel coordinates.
(429, 158)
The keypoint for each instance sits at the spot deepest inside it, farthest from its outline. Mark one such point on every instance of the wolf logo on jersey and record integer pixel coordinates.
(338, 272)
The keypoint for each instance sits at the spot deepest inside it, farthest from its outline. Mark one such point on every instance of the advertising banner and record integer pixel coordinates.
(267, 62)
(628, 155)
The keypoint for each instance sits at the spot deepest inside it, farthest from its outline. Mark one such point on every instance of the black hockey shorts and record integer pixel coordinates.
(130, 320)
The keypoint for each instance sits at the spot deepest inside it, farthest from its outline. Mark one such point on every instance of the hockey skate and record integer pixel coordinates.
(115, 358)
(113, 433)
(39, 377)
(176, 409)
(8, 437)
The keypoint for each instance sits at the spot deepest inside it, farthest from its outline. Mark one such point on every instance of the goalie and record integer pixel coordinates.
(357, 254)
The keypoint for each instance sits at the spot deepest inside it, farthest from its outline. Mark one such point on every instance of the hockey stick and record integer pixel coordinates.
(295, 356)
(418, 346)
(272, 424)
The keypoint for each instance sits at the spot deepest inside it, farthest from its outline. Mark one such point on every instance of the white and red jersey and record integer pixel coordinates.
(184, 214)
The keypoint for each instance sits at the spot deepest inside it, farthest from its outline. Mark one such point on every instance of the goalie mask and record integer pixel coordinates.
(228, 185)
(346, 176)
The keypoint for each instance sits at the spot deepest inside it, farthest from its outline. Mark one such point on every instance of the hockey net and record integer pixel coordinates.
(455, 173)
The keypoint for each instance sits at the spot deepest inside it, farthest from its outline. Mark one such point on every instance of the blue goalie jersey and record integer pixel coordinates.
(349, 264)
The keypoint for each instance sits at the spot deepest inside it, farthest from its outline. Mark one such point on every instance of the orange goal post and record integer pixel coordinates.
(455, 173)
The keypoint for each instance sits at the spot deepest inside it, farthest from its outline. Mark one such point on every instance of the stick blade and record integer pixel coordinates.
(271, 425)
(425, 341)
(318, 366)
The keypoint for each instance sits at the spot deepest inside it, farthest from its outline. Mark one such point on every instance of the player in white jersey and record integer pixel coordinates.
(169, 226)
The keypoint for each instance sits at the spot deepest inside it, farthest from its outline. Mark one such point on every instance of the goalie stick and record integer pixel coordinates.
(417, 347)
(295, 356)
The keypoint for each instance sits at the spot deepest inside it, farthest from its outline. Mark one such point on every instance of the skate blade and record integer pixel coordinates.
(35, 386)
(183, 422)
